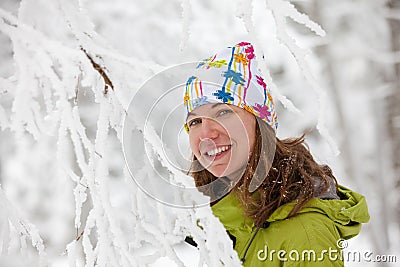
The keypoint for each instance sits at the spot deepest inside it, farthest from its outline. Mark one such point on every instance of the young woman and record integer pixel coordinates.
(278, 205)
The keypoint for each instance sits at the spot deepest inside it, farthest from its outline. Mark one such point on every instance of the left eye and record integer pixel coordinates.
(224, 111)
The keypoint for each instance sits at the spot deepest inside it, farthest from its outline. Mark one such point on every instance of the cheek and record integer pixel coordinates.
(194, 144)
(252, 138)
(251, 131)
(244, 134)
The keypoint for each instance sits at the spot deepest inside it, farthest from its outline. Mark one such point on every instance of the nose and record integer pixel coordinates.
(209, 129)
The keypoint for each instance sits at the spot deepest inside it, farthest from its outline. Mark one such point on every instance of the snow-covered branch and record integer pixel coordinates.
(14, 227)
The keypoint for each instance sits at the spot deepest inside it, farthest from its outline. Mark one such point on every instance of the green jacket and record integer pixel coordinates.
(310, 238)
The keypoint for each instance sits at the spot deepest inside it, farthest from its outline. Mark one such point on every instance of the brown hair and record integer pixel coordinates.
(292, 176)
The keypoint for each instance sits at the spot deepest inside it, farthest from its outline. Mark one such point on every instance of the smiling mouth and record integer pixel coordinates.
(218, 151)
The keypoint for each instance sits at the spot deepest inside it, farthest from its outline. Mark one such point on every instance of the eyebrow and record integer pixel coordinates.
(212, 106)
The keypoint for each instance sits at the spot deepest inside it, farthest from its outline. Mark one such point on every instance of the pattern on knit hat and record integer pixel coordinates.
(239, 83)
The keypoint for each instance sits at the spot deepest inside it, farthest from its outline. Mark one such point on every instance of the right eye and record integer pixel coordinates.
(193, 122)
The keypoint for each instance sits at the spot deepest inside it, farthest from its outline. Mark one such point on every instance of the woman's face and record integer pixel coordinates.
(222, 137)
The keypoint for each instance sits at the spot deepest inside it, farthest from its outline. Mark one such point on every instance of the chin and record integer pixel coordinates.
(228, 170)
(235, 174)
(218, 172)
(222, 173)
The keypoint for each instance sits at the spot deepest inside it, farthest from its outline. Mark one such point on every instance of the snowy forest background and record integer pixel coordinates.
(69, 69)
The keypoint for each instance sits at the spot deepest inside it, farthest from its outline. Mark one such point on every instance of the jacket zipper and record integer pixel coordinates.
(264, 225)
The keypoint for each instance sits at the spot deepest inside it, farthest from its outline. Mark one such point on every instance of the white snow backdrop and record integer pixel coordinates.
(70, 68)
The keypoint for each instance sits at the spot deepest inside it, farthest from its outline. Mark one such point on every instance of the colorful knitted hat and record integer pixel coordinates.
(235, 80)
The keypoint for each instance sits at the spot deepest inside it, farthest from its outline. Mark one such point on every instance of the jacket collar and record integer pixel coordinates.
(346, 212)
(230, 213)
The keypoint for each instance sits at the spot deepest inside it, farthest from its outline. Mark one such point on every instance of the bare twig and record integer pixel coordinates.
(78, 236)
(98, 154)
(100, 70)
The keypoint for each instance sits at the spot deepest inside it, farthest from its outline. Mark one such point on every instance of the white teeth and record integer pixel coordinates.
(217, 150)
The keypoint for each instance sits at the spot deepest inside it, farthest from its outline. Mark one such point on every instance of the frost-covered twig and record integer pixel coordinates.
(62, 72)
(24, 229)
(282, 9)
(245, 12)
(186, 16)
(101, 71)
(4, 123)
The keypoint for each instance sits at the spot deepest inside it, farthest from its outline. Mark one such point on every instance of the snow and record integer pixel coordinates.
(69, 197)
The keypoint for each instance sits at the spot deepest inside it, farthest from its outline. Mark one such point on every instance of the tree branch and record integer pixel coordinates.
(101, 71)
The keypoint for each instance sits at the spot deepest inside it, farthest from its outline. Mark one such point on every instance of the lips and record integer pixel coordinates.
(217, 150)
(217, 153)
